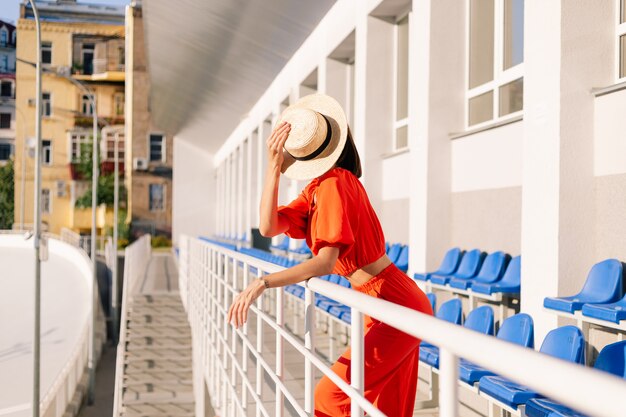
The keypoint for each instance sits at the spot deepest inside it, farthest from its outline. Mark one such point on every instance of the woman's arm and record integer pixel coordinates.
(322, 264)
(271, 224)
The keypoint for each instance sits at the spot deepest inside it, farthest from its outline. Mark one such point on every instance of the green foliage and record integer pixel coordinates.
(6, 195)
(106, 183)
(160, 242)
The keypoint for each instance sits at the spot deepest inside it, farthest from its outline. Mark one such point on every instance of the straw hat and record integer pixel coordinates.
(317, 137)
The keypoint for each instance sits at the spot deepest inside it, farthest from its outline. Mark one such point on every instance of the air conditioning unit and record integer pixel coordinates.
(61, 188)
(140, 164)
(31, 102)
(64, 71)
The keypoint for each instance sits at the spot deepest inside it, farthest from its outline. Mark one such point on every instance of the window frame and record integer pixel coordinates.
(116, 96)
(620, 30)
(501, 76)
(163, 148)
(105, 141)
(10, 83)
(82, 137)
(163, 194)
(85, 103)
(43, 206)
(4, 33)
(43, 104)
(400, 123)
(4, 114)
(43, 153)
(46, 45)
(11, 147)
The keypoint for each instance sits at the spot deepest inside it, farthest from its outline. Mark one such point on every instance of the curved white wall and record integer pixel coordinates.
(65, 319)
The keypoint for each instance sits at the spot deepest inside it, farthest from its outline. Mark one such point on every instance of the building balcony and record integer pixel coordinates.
(81, 217)
(106, 167)
(111, 76)
(85, 120)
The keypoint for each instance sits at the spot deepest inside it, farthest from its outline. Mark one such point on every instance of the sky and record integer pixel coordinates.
(10, 9)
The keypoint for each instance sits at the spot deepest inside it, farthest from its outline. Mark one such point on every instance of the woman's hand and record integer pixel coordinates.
(238, 311)
(275, 144)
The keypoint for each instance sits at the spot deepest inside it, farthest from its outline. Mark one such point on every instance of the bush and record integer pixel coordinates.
(122, 243)
(161, 242)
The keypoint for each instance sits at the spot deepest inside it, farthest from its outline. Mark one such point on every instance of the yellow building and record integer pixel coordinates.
(85, 43)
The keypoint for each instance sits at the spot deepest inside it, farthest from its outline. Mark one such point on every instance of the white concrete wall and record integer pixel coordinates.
(610, 134)
(193, 201)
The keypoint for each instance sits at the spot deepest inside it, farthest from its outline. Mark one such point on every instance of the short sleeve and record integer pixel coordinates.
(297, 215)
(332, 224)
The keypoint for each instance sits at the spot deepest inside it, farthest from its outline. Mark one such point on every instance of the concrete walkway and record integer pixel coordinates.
(157, 360)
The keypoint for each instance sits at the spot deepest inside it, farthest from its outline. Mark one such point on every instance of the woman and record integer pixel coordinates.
(334, 215)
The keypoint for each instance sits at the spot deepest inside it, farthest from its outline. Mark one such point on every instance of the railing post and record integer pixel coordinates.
(280, 398)
(357, 375)
(309, 343)
(259, 347)
(244, 354)
(448, 384)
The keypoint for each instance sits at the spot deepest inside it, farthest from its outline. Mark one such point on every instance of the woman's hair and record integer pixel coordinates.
(349, 158)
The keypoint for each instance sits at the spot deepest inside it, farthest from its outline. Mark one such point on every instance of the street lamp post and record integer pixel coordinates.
(114, 290)
(37, 221)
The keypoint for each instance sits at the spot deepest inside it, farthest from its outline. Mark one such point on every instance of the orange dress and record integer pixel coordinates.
(334, 210)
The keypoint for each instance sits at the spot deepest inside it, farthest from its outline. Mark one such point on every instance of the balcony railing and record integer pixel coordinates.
(211, 276)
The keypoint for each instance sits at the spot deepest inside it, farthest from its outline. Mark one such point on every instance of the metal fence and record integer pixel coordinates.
(210, 276)
(137, 255)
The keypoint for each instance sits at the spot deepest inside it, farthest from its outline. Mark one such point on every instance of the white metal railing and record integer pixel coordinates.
(210, 276)
(136, 258)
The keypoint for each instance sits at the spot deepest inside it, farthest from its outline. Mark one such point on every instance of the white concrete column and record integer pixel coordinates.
(240, 199)
(564, 57)
(436, 91)
(249, 196)
(232, 193)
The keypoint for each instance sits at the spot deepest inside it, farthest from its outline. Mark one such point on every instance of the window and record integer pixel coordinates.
(46, 52)
(157, 197)
(5, 120)
(496, 55)
(401, 82)
(108, 144)
(46, 201)
(621, 41)
(46, 104)
(88, 53)
(6, 89)
(85, 105)
(46, 152)
(118, 101)
(121, 57)
(4, 37)
(5, 151)
(78, 142)
(4, 67)
(157, 145)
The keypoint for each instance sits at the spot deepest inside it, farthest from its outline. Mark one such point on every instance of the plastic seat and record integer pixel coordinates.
(450, 311)
(566, 343)
(469, 267)
(518, 329)
(479, 320)
(611, 359)
(338, 311)
(491, 271)
(403, 259)
(509, 284)
(432, 297)
(344, 282)
(603, 285)
(394, 252)
(448, 266)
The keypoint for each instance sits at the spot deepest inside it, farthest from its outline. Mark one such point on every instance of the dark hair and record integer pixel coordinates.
(349, 158)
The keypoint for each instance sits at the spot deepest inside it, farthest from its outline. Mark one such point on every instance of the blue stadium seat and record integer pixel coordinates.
(491, 271)
(603, 285)
(448, 266)
(509, 284)
(432, 297)
(565, 343)
(394, 252)
(613, 312)
(611, 359)
(479, 319)
(403, 259)
(450, 311)
(469, 267)
(518, 329)
(344, 282)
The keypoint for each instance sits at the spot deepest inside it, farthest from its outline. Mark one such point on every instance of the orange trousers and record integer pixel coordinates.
(391, 356)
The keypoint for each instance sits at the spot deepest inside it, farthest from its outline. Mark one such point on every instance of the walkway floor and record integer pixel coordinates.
(157, 374)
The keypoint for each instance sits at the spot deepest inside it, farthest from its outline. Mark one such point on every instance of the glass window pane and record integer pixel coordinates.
(481, 108)
(513, 33)
(402, 137)
(622, 56)
(402, 70)
(511, 97)
(481, 42)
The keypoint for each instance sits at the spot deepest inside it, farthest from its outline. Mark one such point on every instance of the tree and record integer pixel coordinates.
(106, 182)
(7, 195)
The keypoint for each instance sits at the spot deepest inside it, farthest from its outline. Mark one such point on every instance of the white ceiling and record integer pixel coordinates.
(211, 60)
